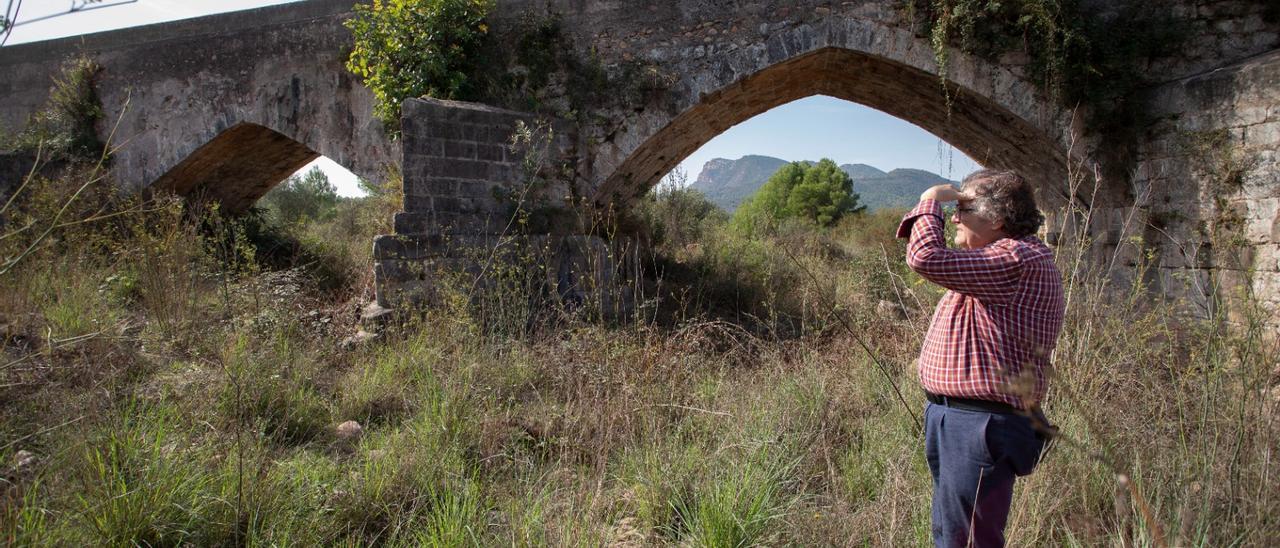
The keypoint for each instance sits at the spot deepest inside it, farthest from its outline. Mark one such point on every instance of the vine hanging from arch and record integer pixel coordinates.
(1077, 57)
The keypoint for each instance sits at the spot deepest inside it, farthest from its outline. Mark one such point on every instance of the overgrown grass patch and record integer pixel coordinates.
(203, 414)
(272, 388)
(135, 478)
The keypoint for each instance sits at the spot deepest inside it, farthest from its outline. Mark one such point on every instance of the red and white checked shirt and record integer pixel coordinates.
(1001, 314)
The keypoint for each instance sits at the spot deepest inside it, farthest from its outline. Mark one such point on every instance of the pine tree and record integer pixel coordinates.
(820, 193)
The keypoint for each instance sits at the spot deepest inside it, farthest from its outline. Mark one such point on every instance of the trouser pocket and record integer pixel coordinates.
(1011, 438)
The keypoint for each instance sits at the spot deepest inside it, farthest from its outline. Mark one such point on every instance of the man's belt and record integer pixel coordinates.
(972, 404)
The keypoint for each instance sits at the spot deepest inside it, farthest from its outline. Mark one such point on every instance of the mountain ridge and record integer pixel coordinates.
(727, 183)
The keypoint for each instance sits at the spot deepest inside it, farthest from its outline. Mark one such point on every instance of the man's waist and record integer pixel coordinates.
(972, 404)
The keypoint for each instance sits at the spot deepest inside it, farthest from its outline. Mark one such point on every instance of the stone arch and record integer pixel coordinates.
(237, 167)
(986, 111)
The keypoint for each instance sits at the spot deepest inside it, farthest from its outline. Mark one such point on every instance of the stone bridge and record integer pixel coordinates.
(228, 105)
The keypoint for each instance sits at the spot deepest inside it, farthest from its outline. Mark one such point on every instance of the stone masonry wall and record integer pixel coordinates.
(706, 65)
(1216, 33)
(465, 178)
(1203, 191)
(463, 170)
(1208, 178)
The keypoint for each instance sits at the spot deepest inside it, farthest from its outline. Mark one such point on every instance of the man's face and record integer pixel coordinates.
(973, 231)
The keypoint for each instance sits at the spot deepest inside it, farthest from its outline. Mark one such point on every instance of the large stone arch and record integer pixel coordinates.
(986, 111)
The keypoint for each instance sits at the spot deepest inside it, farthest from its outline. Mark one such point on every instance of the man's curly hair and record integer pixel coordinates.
(1004, 196)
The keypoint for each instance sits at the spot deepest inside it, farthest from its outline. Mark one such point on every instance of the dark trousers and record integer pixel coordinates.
(974, 457)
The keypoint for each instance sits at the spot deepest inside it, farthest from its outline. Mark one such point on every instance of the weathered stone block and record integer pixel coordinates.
(579, 272)
(503, 173)
(417, 203)
(1192, 288)
(455, 169)
(406, 222)
(501, 133)
(408, 247)
(1263, 134)
(776, 49)
(462, 150)
(479, 190)
(418, 184)
(449, 203)
(1266, 284)
(1266, 257)
(491, 152)
(1190, 255)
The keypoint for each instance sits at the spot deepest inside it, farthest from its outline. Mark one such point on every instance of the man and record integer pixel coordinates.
(984, 361)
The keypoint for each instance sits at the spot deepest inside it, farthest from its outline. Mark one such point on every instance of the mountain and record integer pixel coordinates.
(862, 171)
(898, 188)
(728, 182)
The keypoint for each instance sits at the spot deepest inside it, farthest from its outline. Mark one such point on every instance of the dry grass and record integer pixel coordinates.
(198, 407)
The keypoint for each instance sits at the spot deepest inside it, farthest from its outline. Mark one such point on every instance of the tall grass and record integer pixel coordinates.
(199, 405)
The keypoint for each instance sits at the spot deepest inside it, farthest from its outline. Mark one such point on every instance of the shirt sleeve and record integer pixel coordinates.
(989, 274)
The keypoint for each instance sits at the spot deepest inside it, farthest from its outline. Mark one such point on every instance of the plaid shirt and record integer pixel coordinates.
(1001, 314)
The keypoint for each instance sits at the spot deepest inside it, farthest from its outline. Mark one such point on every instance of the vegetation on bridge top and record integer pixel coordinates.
(65, 128)
(417, 48)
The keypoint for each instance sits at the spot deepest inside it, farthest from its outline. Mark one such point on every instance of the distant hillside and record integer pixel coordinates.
(898, 188)
(728, 182)
(862, 171)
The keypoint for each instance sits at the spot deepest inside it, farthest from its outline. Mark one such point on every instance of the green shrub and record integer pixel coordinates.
(743, 503)
(820, 193)
(660, 479)
(272, 389)
(392, 384)
(416, 48)
(138, 488)
(310, 197)
(454, 517)
(23, 522)
(676, 215)
(421, 488)
(66, 127)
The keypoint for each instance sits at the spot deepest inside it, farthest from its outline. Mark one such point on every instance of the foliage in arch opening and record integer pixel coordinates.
(819, 193)
(302, 198)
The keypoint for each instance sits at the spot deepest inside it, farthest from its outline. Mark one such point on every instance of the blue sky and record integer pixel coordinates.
(825, 127)
(809, 129)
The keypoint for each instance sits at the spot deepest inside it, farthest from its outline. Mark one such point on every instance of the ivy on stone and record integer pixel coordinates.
(1077, 56)
(416, 48)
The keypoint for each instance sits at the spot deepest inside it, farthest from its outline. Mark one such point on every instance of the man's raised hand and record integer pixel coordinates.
(943, 193)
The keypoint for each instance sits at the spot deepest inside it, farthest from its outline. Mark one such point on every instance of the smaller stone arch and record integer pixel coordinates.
(237, 167)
